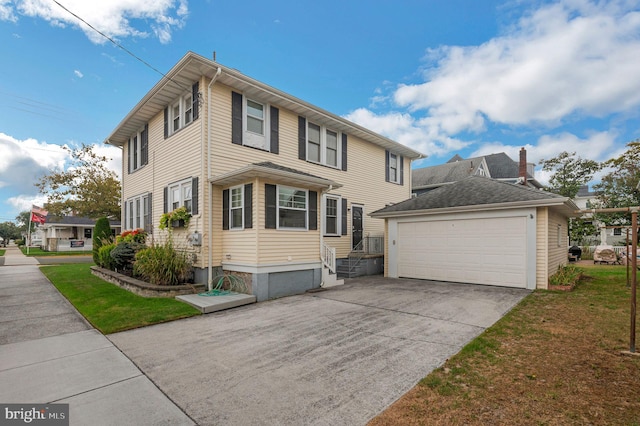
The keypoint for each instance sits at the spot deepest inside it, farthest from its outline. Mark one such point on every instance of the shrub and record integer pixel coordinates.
(135, 236)
(123, 255)
(162, 264)
(104, 257)
(567, 275)
(101, 236)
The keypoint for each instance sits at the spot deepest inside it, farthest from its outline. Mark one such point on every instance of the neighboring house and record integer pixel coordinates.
(478, 230)
(495, 166)
(279, 189)
(68, 233)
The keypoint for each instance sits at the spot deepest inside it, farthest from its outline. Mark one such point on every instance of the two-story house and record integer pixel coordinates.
(279, 190)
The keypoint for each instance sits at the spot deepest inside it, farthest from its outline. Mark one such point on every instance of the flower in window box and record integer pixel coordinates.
(178, 218)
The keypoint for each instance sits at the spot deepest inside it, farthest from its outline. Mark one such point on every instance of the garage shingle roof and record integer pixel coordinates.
(472, 191)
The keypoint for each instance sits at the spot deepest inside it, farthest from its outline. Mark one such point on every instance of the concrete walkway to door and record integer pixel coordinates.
(335, 357)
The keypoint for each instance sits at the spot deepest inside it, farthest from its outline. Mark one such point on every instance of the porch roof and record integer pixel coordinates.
(276, 172)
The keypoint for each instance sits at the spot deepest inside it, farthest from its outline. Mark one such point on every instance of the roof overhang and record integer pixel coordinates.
(566, 205)
(286, 177)
(193, 66)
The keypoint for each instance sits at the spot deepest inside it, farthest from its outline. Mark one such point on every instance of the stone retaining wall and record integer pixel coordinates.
(142, 288)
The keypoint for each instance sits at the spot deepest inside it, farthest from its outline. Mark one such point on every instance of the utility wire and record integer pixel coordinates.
(115, 43)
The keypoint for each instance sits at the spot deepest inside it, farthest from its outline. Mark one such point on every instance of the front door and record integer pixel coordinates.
(356, 227)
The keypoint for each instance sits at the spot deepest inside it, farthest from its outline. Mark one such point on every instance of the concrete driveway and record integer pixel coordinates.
(335, 357)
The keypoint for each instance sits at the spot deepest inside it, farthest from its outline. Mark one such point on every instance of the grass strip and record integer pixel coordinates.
(36, 251)
(108, 307)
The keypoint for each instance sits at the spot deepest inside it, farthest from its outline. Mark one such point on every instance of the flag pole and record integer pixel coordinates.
(29, 233)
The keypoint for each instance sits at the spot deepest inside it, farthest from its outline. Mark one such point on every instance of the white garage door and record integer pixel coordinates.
(482, 251)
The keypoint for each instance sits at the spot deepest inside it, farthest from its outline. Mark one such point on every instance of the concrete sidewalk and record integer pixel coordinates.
(50, 354)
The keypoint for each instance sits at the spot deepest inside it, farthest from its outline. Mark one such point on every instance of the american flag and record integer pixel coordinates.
(38, 214)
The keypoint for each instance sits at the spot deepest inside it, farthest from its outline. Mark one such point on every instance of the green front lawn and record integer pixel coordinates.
(108, 307)
(36, 251)
(2, 251)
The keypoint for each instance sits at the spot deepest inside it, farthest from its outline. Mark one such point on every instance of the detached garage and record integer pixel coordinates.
(479, 231)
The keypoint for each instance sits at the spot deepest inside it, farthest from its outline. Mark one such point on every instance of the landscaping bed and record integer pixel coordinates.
(556, 359)
(144, 289)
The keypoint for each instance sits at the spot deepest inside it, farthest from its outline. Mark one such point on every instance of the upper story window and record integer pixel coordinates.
(181, 112)
(322, 145)
(394, 168)
(138, 149)
(254, 123)
(182, 193)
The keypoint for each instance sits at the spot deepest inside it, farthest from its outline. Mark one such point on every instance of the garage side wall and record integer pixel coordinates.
(558, 242)
(542, 235)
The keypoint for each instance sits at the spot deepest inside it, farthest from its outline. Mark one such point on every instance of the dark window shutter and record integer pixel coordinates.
(236, 118)
(270, 203)
(123, 224)
(166, 122)
(166, 200)
(302, 138)
(129, 156)
(225, 209)
(313, 210)
(248, 205)
(344, 151)
(194, 195)
(195, 89)
(386, 166)
(275, 130)
(145, 144)
(344, 216)
(401, 159)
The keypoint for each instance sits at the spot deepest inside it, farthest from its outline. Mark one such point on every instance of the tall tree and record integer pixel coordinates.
(619, 188)
(22, 220)
(569, 173)
(9, 231)
(87, 188)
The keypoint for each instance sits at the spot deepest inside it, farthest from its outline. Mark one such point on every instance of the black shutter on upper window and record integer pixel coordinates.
(166, 122)
(129, 156)
(270, 206)
(344, 151)
(302, 138)
(144, 136)
(165, 200)
(386, 165)
(194, 195)
(236, 118)
(195, 89)
(248, 205)
(225, 209)
(401, 159)
(275, 130)
(313, 210)
(344, 216)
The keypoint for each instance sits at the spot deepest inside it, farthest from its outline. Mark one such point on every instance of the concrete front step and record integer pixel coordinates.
(207, 304)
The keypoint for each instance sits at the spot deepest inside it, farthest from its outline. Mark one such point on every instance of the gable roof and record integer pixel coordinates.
(497, 166)
(476, 193)
(193, 66)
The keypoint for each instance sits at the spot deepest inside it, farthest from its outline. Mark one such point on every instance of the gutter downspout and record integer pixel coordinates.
(210, 208)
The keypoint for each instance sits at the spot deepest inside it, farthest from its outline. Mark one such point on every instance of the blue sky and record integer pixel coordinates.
(463, 77)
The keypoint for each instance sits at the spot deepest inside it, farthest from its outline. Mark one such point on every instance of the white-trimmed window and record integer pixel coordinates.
(331, 215)
(180, 112)
(292, 208)
(393, 168)
(323, 145)
(138, 212)
(255, 124)
(236, 207)
(137, 149)
(180, 195)
(617, 231)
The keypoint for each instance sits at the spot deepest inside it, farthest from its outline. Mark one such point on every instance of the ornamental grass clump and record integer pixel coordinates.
(162, 264)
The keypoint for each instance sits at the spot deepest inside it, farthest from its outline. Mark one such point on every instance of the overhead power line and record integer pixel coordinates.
(118, 45)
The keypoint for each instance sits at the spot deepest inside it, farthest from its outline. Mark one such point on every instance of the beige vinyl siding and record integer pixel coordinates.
(542, 242)
(558, 247)
(363, 182)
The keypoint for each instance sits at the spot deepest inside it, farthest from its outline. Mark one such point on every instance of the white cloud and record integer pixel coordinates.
(78, 73)
(563, 62)
(112, 17)
(24, 162)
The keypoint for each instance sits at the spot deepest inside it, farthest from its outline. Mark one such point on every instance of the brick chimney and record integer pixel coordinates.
(522, 169)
